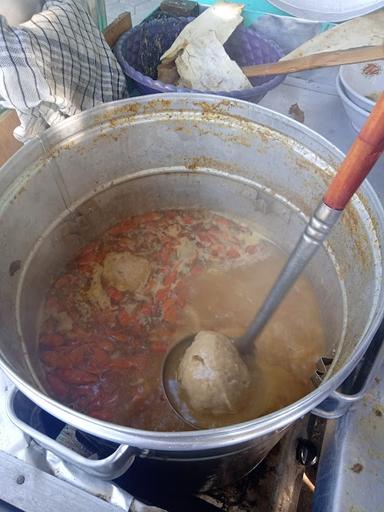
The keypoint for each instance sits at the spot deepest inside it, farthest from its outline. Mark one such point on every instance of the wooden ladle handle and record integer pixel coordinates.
(316, 60)
(361, 157)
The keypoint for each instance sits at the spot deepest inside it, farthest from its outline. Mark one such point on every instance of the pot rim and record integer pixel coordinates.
(208, 438)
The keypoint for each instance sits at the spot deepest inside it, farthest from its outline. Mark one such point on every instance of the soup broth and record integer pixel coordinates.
(147, 282)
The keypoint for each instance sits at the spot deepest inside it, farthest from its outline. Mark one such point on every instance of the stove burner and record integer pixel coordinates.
(275, 485)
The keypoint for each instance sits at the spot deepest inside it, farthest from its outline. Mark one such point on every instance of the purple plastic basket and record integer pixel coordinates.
(139, 50)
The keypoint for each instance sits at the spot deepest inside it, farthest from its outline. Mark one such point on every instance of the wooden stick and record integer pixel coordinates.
(317, 60)
(308, 483)
(362, 156)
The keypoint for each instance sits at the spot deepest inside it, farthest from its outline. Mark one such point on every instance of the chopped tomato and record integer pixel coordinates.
(102, 414)
(233, 253)
(122, 227)
(105, 344)
(215, 251)
(165, 255)
(159, 346)
(206, 237)
(181, 291)
(170, 311)
(55, 359)
(223, 221)
(107, 317)
(98, 360)
(162, 295)
(116, 296)
(144, 310)
(137, 362)
(139, 396)
(120, 336)
(125, 319)
(59, 388)
(88, 260)
(188, 219)
(52, 340)
(64, 281)
(150, 217)
(252, 249)
(77, 355)
(196, 270)
(75, 376)
(91, 248)
(170, 278)
(80, 334)
(53, 303)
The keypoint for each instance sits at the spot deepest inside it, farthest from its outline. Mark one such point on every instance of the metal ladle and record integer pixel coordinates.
(360, 159)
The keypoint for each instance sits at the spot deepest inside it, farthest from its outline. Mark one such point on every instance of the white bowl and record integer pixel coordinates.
(361, 86)
(327, 10)
(356, 115)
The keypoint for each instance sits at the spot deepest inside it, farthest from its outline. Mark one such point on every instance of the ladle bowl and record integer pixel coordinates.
(169, 380)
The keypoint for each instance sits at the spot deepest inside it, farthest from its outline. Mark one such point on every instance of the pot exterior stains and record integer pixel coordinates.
(14, 267)
(357, 468)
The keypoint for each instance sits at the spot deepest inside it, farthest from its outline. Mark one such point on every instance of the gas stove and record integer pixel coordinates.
(33, 478)
(276, 484)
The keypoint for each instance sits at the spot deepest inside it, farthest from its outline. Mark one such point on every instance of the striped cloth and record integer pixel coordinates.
(54, 66)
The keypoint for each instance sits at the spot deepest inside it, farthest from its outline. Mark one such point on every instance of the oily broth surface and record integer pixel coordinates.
(286, 351)
(208, 272)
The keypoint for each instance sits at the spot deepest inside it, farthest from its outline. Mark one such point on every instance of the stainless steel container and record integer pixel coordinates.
(66, 187)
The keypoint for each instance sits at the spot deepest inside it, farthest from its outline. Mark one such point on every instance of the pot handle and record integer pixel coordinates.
(336, 405)
(108, 468)
(358, 382)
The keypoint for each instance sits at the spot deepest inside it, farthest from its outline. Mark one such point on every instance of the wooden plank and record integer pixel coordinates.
(8, 144)
(121, 24)
(32, 490)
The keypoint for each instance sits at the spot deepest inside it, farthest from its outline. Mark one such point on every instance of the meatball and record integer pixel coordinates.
(125, 271)
(213, 375)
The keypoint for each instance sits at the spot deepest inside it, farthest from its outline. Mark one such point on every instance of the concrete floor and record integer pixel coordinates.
(139, 9)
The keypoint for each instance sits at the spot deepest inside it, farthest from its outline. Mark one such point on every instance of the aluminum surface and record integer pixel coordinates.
(351, 471)
(108, 468)
(168, 151)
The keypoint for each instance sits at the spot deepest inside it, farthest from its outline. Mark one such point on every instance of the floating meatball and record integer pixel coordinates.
(125, 271)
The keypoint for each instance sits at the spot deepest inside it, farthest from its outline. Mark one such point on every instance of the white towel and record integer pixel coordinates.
(54, 66)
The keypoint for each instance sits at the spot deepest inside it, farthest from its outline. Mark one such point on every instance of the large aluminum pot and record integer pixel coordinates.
(66, 187)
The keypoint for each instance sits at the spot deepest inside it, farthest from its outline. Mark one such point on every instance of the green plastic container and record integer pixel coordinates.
(253, 9)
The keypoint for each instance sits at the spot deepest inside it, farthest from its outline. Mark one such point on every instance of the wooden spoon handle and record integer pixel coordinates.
(361, 157)
(317, 60)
